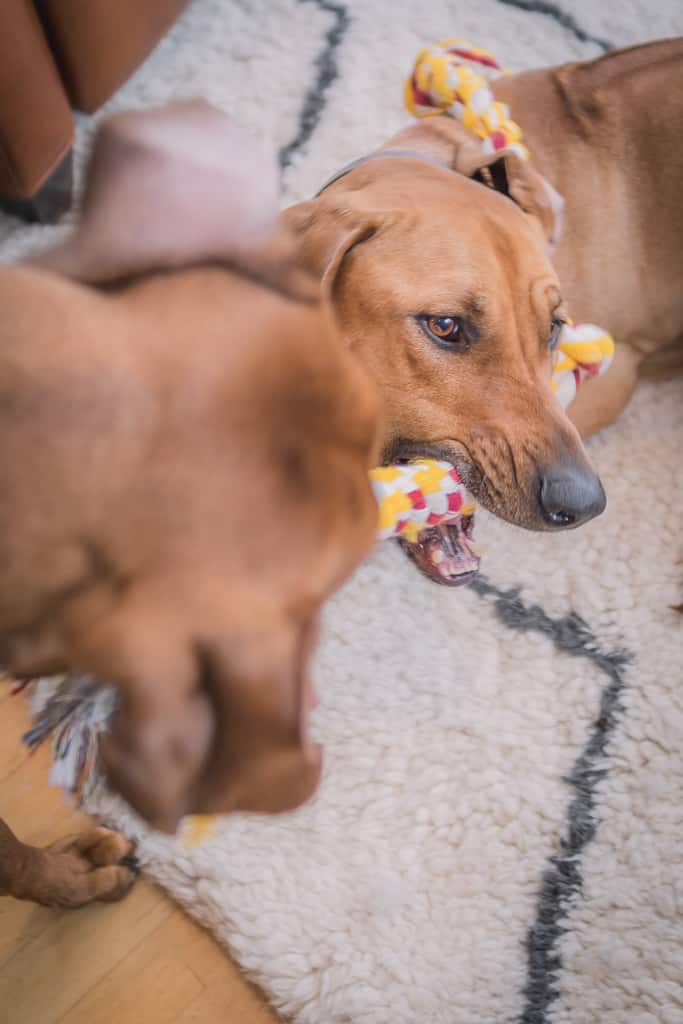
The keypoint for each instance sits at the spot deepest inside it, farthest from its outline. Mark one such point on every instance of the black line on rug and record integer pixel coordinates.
(328, 72)
(562, 880)
(561, 17)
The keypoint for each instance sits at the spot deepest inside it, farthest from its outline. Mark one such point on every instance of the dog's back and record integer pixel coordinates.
(607, 134)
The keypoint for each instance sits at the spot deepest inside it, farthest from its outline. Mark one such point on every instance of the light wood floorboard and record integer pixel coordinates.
(141, 960)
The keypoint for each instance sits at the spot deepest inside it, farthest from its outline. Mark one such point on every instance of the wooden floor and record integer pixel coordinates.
(137, 961)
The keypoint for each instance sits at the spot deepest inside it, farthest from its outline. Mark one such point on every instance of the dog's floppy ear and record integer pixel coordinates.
(168, 188)
(326, 233)
(508, 173)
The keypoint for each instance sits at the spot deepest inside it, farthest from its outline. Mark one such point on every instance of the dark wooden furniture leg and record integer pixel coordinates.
(50, 202)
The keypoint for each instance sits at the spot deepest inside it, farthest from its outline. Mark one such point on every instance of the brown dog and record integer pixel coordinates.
(446, 290)
(183, 482)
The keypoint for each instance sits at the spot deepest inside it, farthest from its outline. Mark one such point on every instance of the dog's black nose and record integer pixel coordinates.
(570, 496)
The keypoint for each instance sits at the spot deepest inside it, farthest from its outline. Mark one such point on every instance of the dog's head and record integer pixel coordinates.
(212, 470)
(443, 286)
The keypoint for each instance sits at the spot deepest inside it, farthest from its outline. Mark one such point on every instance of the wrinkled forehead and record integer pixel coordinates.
(447, 237)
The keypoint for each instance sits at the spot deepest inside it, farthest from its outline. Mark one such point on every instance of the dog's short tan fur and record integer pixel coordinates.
(399, 237)
(205, 496)
(183, 486)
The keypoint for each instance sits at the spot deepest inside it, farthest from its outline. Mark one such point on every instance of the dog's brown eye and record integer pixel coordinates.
(448, 331)
(445, 327)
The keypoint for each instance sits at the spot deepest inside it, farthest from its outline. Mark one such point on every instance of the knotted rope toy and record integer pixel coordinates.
(451, 78)
(416, 495)
(413, 498)
(583, 351)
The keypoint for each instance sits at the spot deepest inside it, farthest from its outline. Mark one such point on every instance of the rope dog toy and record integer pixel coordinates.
(418, 494)
(451, 78)
(583, 351)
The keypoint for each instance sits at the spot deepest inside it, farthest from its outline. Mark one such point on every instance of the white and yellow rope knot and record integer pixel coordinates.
(583, 351)
(451, 78)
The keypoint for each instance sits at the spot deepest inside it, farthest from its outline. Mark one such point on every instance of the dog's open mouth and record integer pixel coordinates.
(440, 539)
(446, 553)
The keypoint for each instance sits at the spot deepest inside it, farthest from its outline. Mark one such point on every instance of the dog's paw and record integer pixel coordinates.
(97, 864)
(99, 845)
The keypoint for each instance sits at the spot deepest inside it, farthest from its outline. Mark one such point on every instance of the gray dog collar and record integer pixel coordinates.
(379, 155)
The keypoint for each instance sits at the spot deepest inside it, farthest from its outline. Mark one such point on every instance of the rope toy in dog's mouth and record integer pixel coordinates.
(416, 495)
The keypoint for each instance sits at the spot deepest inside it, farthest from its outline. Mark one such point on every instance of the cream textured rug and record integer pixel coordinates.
(499, 834)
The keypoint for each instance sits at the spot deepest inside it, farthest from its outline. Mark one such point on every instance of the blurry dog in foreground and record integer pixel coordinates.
(184, 465)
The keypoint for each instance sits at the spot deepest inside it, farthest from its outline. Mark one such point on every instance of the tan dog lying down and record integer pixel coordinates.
(183, 483)
(447, 291)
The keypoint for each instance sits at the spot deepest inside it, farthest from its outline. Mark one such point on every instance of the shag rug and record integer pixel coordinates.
(499, 834)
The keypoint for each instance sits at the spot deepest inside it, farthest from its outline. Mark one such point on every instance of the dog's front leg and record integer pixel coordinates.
(94, 865)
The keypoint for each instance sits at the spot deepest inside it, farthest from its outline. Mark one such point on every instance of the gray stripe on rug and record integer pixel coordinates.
(562, 880)
(328, 72)
(561, 17)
